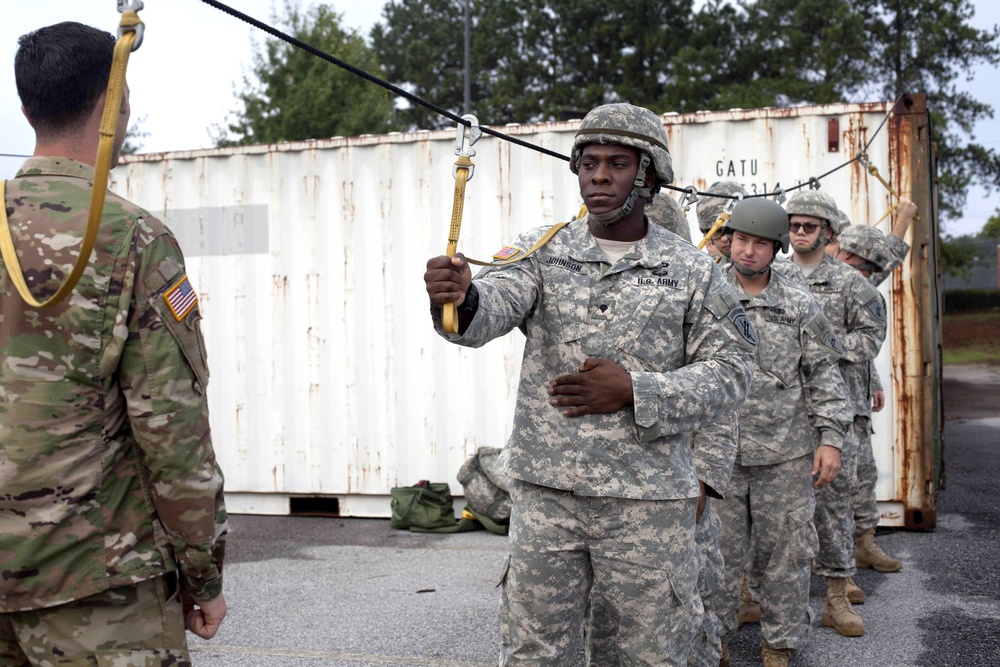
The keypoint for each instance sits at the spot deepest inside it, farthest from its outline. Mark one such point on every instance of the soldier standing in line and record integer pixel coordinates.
(875, 256)
(857, 314)
(667, 213)
(797, 386)
(112, 523)
(634, 341)
(710, 208)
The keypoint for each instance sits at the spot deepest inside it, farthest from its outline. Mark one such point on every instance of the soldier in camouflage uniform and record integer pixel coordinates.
(871, 253)
(664, 211)
(710, 208)
(112, 522)
(797, 384)
(857, 313)
(634, 341)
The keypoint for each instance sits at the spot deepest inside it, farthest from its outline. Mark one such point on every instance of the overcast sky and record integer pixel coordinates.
(182, 78)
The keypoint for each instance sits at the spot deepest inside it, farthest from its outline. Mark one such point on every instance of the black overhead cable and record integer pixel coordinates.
(812, 182)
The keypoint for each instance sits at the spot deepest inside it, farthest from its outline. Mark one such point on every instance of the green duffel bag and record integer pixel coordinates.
(424, 505)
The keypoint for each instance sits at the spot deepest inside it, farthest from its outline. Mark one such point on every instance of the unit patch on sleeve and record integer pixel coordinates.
(741, 322)
(181, 298)
(875, 306)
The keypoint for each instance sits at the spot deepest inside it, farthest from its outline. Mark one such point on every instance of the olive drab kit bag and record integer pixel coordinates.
(425, 505)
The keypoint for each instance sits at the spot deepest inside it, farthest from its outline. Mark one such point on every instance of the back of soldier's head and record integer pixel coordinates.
(60, 71)
(869, 244)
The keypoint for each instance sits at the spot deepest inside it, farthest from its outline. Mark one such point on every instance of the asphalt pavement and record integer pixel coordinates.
(309, 591)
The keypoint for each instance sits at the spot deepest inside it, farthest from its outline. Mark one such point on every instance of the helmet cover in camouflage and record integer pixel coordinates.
(842, 223)
(815, 203)
(664, 211)
(710, 208)
(761, 217)
(627, 125)
(867, 243)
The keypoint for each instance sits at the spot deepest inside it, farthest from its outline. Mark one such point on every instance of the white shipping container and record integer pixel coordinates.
(328, 381)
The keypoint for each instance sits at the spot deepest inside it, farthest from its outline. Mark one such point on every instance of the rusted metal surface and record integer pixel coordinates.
(326, 377)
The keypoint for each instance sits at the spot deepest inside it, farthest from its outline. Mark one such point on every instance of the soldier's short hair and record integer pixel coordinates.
(60, 72)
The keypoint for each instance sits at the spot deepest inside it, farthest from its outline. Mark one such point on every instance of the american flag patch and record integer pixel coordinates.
(506, 252)
(181, 298)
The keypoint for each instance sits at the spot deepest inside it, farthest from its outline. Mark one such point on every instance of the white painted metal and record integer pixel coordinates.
(327, 378)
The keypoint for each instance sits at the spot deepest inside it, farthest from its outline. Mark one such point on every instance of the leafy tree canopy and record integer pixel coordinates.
(291, 95)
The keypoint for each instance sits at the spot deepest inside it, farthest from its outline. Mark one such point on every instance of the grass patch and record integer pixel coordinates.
(971, 337)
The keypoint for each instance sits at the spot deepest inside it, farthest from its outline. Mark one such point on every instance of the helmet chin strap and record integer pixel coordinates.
(822, 239)
(639, 189)
(750, 273)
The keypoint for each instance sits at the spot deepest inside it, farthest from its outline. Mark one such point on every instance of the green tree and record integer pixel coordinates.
(422, 46)
(134, 136)
(929, 46)
(958, 254)
(532, 60)
(991, 230)
(292, 95)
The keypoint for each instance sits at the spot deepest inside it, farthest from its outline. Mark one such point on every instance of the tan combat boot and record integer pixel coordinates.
(724, 660)
(838, 613)
(775, 657)
(854, 592)
(868, 554)
(749, 608)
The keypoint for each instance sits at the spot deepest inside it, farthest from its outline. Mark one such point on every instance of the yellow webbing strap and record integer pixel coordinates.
(531, 251)
(873, 170)
(109, 123)
(463, 166)
(720, 222)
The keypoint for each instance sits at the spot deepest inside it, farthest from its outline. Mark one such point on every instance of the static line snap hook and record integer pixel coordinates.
(779, 196)
(733, 201)
(131, 23)
(467, 136)
(813, 183)
(691, 197)
(863, 159)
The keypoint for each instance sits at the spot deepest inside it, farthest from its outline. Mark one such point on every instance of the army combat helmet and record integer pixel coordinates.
(626, 125)
(710, 208)
(763, 218)
(868, 244)
(818, 205)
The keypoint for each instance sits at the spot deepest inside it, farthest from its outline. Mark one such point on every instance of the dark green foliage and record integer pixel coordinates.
(971, 299)
(291, 95)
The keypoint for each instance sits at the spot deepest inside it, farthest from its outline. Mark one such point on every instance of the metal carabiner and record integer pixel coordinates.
(690, 198)
(731, 204)
(779, 196)
(466, 137)
(139, 28)
(813, 183)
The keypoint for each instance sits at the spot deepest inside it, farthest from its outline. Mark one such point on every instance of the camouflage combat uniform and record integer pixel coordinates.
(866, 514)
(610, 499)
(602, 629)
(856, 312)
(111, 490)
(796, 379)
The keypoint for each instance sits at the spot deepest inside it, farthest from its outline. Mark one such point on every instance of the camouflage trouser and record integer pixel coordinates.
(130, 626)
(640, 554)
(778, 502)
(601, 631)
(866, 514)
(835, 515)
